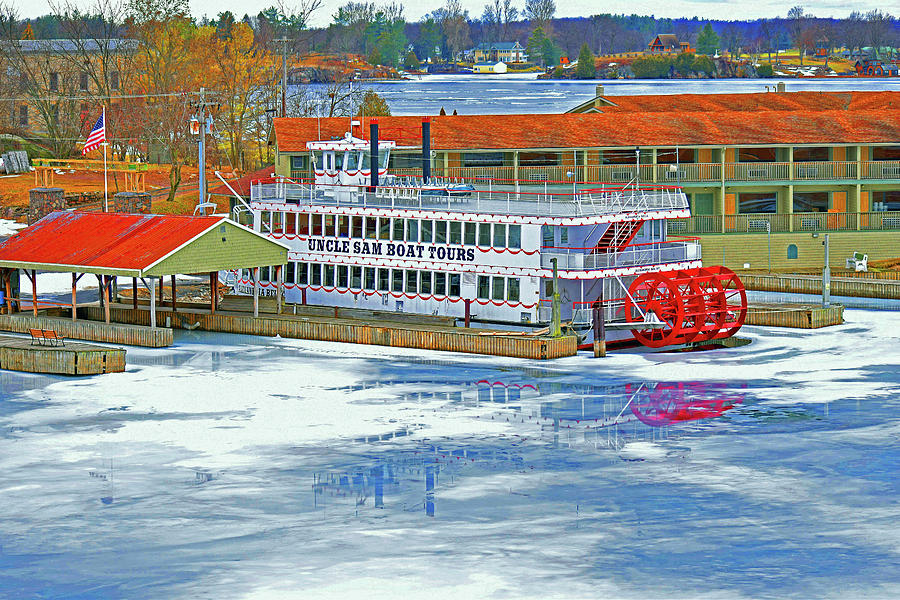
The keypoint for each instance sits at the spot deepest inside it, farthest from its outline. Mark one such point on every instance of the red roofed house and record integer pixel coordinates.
(668, 43)
(801, 161)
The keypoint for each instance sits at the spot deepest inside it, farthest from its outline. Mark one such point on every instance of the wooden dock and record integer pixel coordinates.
(111, 333)
(861, 287)
(361, 329)
(19, 354)
(802, 316)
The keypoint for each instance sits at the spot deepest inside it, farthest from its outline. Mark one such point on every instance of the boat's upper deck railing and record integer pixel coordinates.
(546, 198)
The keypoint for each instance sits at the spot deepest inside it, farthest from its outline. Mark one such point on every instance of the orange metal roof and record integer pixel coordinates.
(686, 119)
(104, 241)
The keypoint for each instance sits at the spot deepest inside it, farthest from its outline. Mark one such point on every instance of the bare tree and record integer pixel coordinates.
(797, 19)
(540, 11)
(878, 30)
(454, 22)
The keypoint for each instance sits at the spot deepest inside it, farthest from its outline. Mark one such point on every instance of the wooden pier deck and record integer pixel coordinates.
(89, 330)
(861, 287)
(403, 331)
(802, 316)
(75, 358)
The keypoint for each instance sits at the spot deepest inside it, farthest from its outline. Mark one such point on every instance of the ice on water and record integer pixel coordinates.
(244, 467)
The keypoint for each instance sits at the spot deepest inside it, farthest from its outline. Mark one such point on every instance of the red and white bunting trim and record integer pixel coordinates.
(470, 217)
(397, 295)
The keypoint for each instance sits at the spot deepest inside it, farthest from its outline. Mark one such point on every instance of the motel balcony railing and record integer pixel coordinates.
(779, 223)
(546, 199)
(683, 173)
(584, 259)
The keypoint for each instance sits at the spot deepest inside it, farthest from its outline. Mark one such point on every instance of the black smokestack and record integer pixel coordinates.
(426, 150)
(373, 154)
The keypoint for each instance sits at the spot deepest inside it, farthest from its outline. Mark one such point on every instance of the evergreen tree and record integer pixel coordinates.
(585, 68)
(707, 40)
(535, 46)
(28, 32)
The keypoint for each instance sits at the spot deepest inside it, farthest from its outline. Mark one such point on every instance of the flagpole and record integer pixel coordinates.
(105, 178)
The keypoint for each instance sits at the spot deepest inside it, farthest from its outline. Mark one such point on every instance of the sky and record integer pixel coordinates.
(711, 9)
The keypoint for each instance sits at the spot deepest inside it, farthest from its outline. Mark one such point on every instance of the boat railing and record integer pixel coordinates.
(543, 199)
(654, 253)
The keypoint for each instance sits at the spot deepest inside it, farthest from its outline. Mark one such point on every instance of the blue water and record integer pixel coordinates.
(245, 467)
(480, 94)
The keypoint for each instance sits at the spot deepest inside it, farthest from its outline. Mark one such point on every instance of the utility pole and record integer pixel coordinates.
(284, 43)
(199, 126)
(826, 278)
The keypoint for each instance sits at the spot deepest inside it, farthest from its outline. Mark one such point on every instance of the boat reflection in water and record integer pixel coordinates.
(541, 415)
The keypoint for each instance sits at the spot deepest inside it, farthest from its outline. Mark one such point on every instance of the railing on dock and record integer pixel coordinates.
(783, 222)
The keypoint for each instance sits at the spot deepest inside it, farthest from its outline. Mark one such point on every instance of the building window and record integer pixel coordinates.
(484, 287)
(538, 159)
(483, 159)
(298, 163)
(83, 82)
(766, 202)
(757, 154)
(54, 82)
(888, 200)
(885, 152)
(817, 154)
(792, 251)
(811, 201)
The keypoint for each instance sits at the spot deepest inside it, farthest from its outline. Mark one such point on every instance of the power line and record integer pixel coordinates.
(126, 96)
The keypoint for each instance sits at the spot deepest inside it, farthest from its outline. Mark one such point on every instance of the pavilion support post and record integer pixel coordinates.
(7, 280)
(153, 302)
(174, 304)
(100, 294)
(134, 293)
(255, 273)
(160, 289)
(213, 292)
(107, 286)
(34, 292)
(279, 289)
(74, 297)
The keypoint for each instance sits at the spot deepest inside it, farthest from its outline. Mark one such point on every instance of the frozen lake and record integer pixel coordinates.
(244, 467)
(501, 94)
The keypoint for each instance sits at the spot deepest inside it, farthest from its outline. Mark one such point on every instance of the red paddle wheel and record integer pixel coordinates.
(694, 305)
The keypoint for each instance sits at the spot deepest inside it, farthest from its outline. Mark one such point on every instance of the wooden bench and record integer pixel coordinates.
(46, 335)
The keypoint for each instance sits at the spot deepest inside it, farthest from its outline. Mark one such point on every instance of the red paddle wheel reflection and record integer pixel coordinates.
(676, 402)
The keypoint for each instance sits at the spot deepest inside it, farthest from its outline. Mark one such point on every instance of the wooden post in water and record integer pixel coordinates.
(7, 280)
(161, 290)
(134, 293)
(599, 330)
(107, 286)
(34, 292)
(468, 318)
(174, 304)
(303, 296)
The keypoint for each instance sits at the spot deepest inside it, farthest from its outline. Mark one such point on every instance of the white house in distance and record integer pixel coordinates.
(508, 52)
(489, 67)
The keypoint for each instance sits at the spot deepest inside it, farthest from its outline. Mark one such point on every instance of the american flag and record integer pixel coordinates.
(97, 135)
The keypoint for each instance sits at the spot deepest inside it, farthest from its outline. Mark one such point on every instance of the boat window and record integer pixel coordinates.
(512, 289)
(329, 225)
(303, 224)
(515, 236)
(385, 158)
(302, 273)
(425, 283)
(290, 223)
(499, 285)
(355, 277)
(397, 280)
(469, 233)
(343, 226)
(499, 235)
(455, 232)
(289, 272)
(343, 277)
(412, 230)
(440, 232)
(371, 228)
(563, 235)
(427, 231)
(383, 279)
(317, 159)
(352, 161)
(547, 239)
(265, 221)
(398, 230)
(440, 284)
(315, 274)
(411, 280)
(484, 287)
(454, 285)
(264, 273)
(316, 227)
(369, 278)
(484, 234)
(277, 218)
(328, 280)
(356, 227)
(384, 228)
